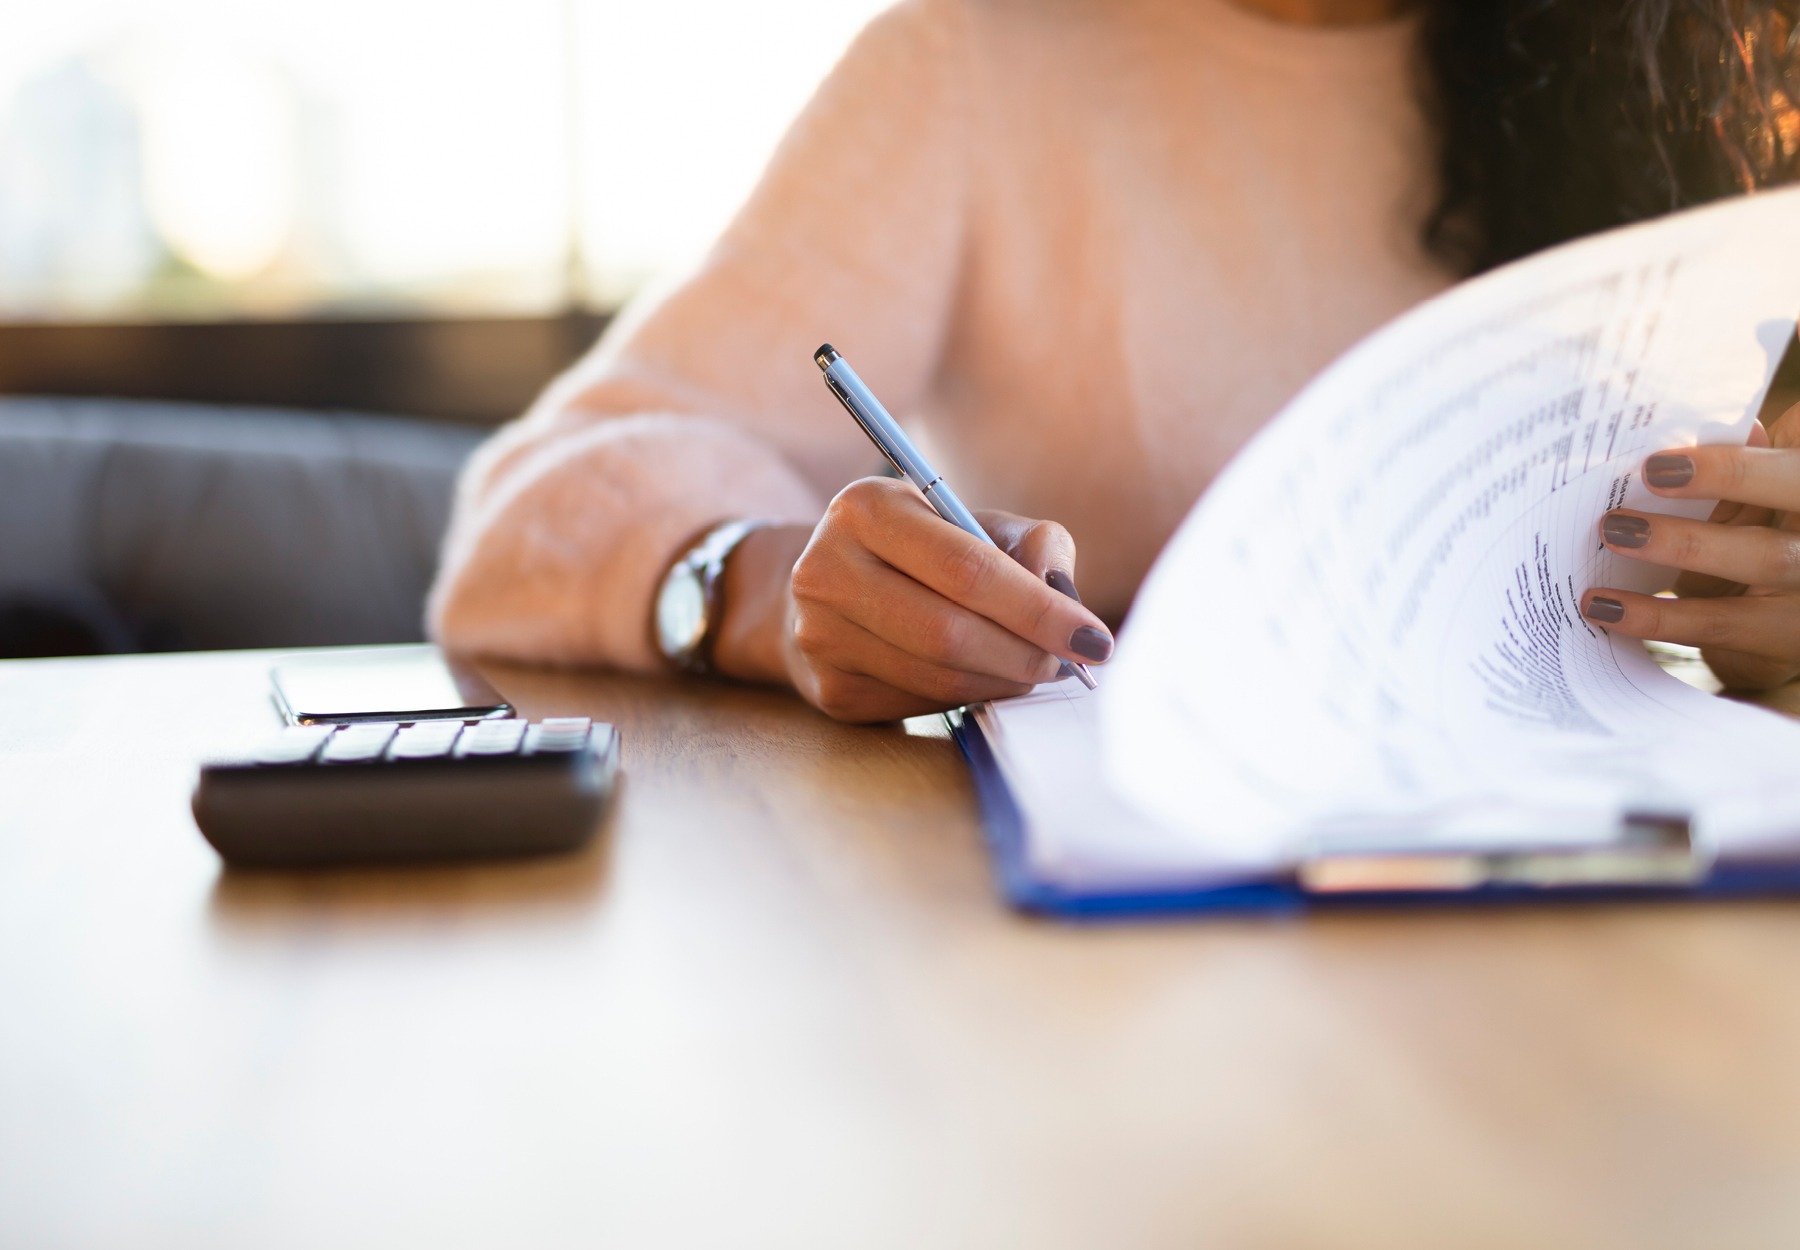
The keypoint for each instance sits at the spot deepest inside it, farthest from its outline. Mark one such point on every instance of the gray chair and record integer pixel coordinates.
(151, 526)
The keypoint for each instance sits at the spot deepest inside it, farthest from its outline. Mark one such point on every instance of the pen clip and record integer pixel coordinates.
(874, 435)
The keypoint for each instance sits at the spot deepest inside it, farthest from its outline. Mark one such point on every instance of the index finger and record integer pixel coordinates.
(984, 579)
(1766, 477)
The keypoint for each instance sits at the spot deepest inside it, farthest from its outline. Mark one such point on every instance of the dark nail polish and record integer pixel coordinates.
(1062, 584)
(1668, 472)
(1090, 644)
(1606, 611)
(1625, 531)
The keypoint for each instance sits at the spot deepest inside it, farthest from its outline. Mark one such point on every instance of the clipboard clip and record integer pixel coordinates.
(1652, 850)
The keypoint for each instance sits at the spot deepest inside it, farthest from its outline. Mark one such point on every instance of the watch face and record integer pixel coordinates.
(681, 612)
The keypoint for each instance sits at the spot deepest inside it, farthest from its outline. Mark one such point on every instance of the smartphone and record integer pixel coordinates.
(408, 683)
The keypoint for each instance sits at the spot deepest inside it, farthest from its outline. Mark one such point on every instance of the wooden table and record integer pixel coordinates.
(776, 1004)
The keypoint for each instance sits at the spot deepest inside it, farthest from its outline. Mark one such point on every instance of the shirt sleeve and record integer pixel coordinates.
(704, 404)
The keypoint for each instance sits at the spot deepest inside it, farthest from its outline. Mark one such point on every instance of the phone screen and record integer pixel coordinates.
(383, 683)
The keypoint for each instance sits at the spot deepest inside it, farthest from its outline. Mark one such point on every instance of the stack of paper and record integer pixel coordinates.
(1367, 631)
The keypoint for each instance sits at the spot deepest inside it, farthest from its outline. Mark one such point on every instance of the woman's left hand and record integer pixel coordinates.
(1740, 586)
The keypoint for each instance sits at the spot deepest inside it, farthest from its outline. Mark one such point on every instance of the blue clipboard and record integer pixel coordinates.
(1003, 828)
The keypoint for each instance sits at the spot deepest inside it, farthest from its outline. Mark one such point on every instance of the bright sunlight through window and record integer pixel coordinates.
(203, 158)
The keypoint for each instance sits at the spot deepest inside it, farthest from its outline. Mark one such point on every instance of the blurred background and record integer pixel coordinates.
(270, 269)
(390, 205)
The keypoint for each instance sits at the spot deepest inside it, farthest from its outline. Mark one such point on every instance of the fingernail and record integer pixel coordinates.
(1090, 644)
(1625, 531)
(1667, 472)
(1606, 611)
(1062, 584)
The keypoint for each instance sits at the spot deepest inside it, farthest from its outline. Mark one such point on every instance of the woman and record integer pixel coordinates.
(1085, 248)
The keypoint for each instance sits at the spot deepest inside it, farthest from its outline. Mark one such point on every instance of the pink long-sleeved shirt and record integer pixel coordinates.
(1082, 248)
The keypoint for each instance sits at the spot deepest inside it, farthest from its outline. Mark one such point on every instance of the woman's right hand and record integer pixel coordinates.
(884, 610)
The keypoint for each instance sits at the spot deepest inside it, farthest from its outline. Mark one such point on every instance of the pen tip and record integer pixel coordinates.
(826, 356)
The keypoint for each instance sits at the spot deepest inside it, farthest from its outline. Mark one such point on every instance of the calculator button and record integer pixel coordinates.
(293, 745)
(426, 741)
(558, 734)
(357, 743)
(494, 737)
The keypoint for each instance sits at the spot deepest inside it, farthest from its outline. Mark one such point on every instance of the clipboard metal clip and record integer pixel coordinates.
(1652, 850)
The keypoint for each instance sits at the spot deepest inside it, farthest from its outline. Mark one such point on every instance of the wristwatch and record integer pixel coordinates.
(688, 604)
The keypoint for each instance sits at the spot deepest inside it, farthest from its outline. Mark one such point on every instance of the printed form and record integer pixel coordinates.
(1368, 628)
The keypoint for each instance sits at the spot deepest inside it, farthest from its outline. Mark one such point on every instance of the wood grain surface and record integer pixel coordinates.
(776, 1004)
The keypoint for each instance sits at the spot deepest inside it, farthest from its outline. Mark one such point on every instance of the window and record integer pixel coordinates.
(207, 159)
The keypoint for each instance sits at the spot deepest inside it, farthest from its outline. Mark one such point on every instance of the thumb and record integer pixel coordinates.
(1043, 547)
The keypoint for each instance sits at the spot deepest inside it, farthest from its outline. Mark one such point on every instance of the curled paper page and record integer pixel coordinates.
(1369, 625)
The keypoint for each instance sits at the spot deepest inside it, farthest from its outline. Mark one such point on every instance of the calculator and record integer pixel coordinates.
(316, 796)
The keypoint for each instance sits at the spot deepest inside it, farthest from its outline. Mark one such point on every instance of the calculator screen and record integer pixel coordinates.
(382, 683)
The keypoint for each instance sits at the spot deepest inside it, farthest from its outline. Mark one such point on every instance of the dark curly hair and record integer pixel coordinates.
(1557, 118)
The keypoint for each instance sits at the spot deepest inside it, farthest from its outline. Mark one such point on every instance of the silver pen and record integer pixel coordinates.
(887, 435)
